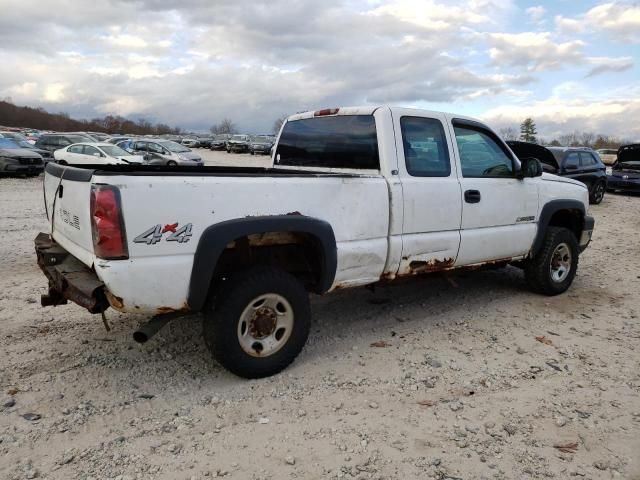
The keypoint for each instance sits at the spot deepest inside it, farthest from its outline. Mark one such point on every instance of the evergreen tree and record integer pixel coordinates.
(528, 131)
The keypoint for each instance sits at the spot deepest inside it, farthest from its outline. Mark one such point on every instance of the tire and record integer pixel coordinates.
(550, 272)
(596, 195)
(262, 309)
(172, 163)
(252, 152)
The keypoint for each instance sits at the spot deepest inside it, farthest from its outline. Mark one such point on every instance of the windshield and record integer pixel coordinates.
(24, 144)
(114, 151)
(240, 138)
(174, 147)
(262, 139)
(8, 143)
(79, 139)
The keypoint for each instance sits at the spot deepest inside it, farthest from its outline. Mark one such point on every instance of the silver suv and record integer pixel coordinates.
(162, 152)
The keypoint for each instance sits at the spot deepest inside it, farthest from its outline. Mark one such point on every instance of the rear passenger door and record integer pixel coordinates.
(431, 192)
(499, 211)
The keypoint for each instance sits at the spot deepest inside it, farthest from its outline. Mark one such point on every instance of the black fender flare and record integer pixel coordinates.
(547, 212)
(216, 237)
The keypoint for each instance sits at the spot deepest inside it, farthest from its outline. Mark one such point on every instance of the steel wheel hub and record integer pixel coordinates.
(265, 325)
(560, 263)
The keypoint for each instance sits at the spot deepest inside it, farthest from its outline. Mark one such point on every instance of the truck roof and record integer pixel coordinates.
(364, 110)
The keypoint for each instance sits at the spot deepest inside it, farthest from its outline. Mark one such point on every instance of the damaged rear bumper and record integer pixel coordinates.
(69, 278)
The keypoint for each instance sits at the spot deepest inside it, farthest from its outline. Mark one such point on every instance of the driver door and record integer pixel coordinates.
(499, 211)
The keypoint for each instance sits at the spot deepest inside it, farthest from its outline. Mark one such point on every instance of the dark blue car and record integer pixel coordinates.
(625, 173)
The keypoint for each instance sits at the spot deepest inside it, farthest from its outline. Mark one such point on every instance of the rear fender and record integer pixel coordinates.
(216, 237)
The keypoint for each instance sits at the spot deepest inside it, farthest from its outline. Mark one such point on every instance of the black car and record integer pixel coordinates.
(219, 142)
(261, 144)
(15, 160)
(578, 163)
(56, 141)
(625, 172)
(46, 155)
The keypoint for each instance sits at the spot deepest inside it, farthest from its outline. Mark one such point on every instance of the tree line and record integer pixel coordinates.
(528, 133)
(27, 117)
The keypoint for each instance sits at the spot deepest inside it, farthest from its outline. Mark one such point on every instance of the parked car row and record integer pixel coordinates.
(620, 171)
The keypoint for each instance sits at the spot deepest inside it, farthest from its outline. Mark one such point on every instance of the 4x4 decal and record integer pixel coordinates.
(155, 233)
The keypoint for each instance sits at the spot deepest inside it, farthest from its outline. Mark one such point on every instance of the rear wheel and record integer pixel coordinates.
(553, 269)
(172, 163)
(259, 322)
(597, 192)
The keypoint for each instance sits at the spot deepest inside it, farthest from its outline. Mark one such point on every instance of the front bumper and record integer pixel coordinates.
(238, 147)
(69, 278)
(28, 169)
(587, 232)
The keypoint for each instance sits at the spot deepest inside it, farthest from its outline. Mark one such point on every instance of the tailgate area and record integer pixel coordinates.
(69, 278)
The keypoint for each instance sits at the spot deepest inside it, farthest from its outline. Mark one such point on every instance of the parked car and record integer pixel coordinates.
(117, 139)
(16, 136)
(55, 141)
(219, 142)
(582, 164)
(45, 154)
(190, 142)
(357, 196)
(95, 153)
(238, 143)
(625, 173)
(164, 152)
(15, 160)
(608, 155)
(261, 144)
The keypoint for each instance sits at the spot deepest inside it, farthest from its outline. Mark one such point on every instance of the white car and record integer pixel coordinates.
(356, 196)
(95, 153)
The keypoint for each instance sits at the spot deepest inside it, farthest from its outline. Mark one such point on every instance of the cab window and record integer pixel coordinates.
(425, 147)
(480, 154)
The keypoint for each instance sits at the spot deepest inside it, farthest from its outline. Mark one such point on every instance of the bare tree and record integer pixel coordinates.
(277, 124)
(225, 126)
(587, 138)
(508, 133)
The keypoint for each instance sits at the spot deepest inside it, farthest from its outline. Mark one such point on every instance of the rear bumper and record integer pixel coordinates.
(587, 232)
(617, 183)
(69, 278)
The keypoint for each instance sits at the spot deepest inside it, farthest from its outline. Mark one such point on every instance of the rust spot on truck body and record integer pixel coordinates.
(419, 268)
(435, 265)
(164, 310)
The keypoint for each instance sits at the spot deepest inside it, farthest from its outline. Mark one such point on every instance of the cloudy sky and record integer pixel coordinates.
(570, 65)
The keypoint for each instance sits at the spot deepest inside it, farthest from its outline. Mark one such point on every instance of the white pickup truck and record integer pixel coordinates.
(355, 196)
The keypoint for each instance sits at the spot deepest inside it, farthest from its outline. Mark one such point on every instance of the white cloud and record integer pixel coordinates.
(573, 108)
(536, 14)
(618, 20)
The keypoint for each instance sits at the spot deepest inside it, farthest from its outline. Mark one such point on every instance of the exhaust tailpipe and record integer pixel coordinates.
(153, 326)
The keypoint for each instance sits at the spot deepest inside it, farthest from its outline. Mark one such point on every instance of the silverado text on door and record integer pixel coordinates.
(355, 196)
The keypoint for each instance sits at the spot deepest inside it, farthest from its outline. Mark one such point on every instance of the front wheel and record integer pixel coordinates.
(553, 269)
(597, 192)
(172, 163)
(259, 323)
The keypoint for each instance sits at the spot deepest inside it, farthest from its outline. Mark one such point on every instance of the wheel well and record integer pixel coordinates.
(298, 253)
(571, 219)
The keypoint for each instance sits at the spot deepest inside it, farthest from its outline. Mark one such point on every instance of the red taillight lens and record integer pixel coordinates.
(325, 112)
(107, 225)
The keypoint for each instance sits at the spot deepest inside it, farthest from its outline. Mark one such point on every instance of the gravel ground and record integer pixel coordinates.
(466, 376)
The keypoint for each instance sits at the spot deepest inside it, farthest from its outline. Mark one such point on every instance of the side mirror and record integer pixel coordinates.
(96, 154)
(530, 167)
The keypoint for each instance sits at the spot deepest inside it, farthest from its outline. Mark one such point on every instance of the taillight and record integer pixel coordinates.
(325, 112)
(107, 224)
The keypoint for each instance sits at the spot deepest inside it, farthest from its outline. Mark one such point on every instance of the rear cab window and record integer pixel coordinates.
(425, 147)
(341, 142)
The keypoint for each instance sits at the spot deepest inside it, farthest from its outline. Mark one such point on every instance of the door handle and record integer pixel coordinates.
(472, 196)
